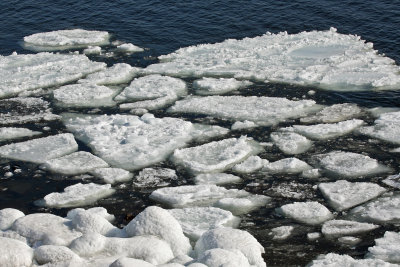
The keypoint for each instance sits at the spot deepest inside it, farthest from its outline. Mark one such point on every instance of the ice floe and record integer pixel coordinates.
(287, 165)
(27, 72)
(337, 228)
(41, 149)
(153, 177)
(75, 163)
(327, 59)
(392, 180)
(386, 248)
(333, 259)
(10, 133)
(92, 50)
(281, 232)
(386, 128)
(214, 86)
(260, 110)
(334, 113)
(291, 143)
(249, 165)
(77, 195)
(342, 195)
(129, 48)
(15, 253)
(240, 125)
(311, 174)
(216, 178)
(306, 212)
(112, 175)
(239, 206)
(100, 211)
(117, 74)
(65, 39)
(8, 216)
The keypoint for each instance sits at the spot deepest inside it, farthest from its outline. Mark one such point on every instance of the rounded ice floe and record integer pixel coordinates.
(386, 128)
(216, 156)
(129, 48)
(261, 110)
(54, 254)
(216, 178)
(129, 262)
(197, 220)
(386, 248)
(326, 59)
(45, 229)
(312, 212)
(75, 163)
(334, 113)
(112, 175)
(342, 195)
(100, 211)
(194, 195)
(116, 74)
(159, 222)
(242, 205)
(288, 165)
(78, 195)
(84, 95)
(65, 39)
(223, 257)
(249, 165)
(215, 86)
(92, 50)
(336, 228)
(349, 164)
(9, 133)
(28, 72)
(333, 259)
(8, 216)
(281, 232)
(239, 125)
(41, 149)
(15, 253)
(232, 239)
(153, 177)
(291, 143)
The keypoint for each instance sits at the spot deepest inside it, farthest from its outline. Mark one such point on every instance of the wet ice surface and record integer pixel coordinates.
(247, 178)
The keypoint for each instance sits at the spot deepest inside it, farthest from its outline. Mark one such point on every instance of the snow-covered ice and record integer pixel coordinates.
(386, 248)
(215, 86)
(312, 212)
(216, 178)
(239, 206)
(342, 195)
(336, 228)
(10, 133)
(129, 48)
(153, 177)
(249, 165)
(281, 232)
(333, 259)
(112, 175)
(291, 143)
(15, 253)
(386, 128)
(116, 74)
(8, 216)
(41, 149)
(55, 254)
(334, 113)
(287, 165)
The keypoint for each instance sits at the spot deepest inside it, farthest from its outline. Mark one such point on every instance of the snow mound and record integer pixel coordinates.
(9, 133)
(214, 86)
(386, 128)
(386, 248)
(336, 228)
(334, 113)
(216, 178)
(291, 143)
(117, 74)
(112, 175)
(312, 213)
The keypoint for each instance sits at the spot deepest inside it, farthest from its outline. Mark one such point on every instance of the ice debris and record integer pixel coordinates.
(223, 257)
(287, 165)
(281, 232)
(215, 86)
(291, 143)
(386, 128)
(392, 180)
(129, 48)
(112, 175)
(240, 125)
(386, 248)
(244, 205)
(312, 213)
(153, 177)
(337, 228)
(8, 216)
(92, 50)
(10, 133)
(249, 165)
(216, 178)
(334, 113)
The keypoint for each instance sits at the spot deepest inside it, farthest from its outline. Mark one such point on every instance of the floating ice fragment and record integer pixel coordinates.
(239, 125)
(386, 248)
(9, 133)
(15, 253)
(393, 180)
(92, 50)
(117, 74)
(153, 177)
(334, 113)
(223, 257)
(282, 232)
(395, 150)
(386, 128)
(336, 228)
(249, 165)
(78, 195)
(376, 112)
(291, 143)
(216, 178)
(313, 236)
(291, 189)
(343, 195)
(214, 86)
(239, 206)
(112, 175)
(129, 48)
(349, 240)
(306, 212)
(333, 259)
(288, 165)
(41, 149)
(8, 216)
(65, 39)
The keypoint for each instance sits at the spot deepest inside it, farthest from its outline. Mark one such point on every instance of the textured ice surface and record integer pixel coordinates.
(336, 228)
(55, 254)
(15, 253)
(386, 248)
(393, 180)
(333, 259)
(75, 163)
(132, 142)
(197, 220)
(159, 222)
(288, 165)
(326, 131)
(281, 232)
(381, 210)
(78, 195)
(216, 156)
(249, 165)
(334, 113)
(9, 133)
(239, 206)
(27, 72)
(232, 239)
(342, 194)
(8, 216)
(112, 175)
(65, 39)
(323, 58)
(386, 128)
(261, 110)
(223, 257)
(41, 149)
(291, 143)
(214, 86)
(349, 164)
(129, 48)
(117, 74)
(154, 177)
(306, 212)
(216, 178)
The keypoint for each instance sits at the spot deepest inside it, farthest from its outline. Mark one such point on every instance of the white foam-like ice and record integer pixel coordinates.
(260, 110)
(154, 177)
(112, 175)
(343, 195)
(15, 253)
(336, 228)
(215, 86)
(334, 113)
(281, 232)
(216, 178)
(116, 74)
(10, 133)
(327, 59)
(386, 128)
(249, 165)
(65, 39)
(41, 149)
(291, 143)
(27, 72)
(287, 165)
(333, 259)
(312, 212)
(239, 206)
(386, 248)
(8, 216)
(129, 48)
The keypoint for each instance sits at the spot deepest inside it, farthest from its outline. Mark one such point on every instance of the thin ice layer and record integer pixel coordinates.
(312, 212)
(386, 128)
(291, 143)
(65, 39)
(343, 195)
(131, 142)
(215, 86)
(386, 248)
(27, 72)
(336, 228)
(326, 59)
(333, 259)
(116, 74)
(41, 149)
(261, 110)
(10, 133)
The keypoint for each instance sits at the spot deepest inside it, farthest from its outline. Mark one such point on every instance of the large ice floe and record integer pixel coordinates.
(27, 72)
(214, 86)
(132, 142)
(326, 59)
(65, 39)
(386, 128)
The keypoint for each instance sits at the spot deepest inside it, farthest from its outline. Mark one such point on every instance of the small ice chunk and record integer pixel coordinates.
(333, 259)
(197, 220)
(129, 48)
(239, 125)
(386, 128)
(311, 174)
(100, 211)
(291, 143)
(349, 240)
(232, 239)
(54, 254)
(116, 74)
(376, 112)
(92, 50)
(75, 163)
(337, 228)
(249, 165)
(334, 113)
(216, 178)
(282, 232)
(395, 150)
(343, 195)
(65, 39)
(288, 165)
(312, 212)
(313, 236)
(112, 175)
(223, 257)
(242, 205)
(386, 248)
(78, 195)
(8, 216)
(159, 222)
(41, 149)
(217, 86)
(393, 181)
(216, 156)
(9, 133)
(153, 177)
(15, 253)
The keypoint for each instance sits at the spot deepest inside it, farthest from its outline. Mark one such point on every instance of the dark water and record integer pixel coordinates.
(164, 26)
